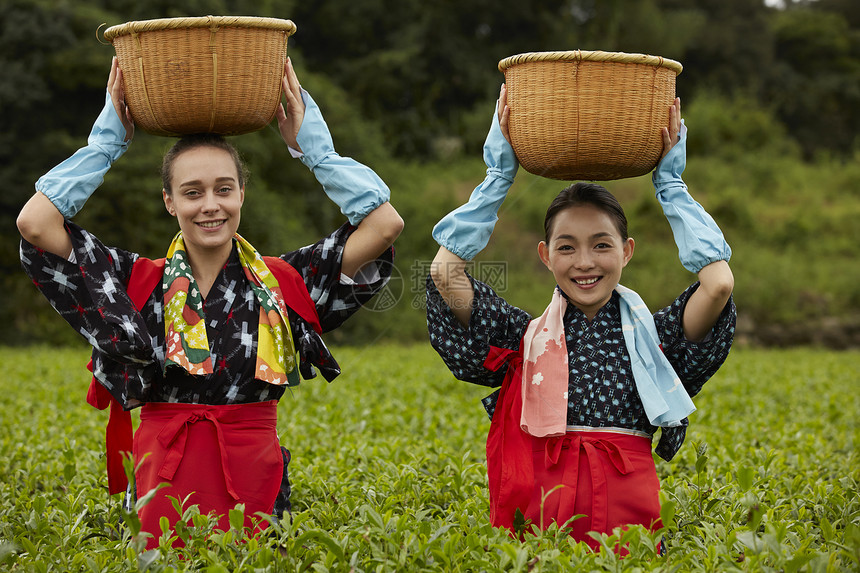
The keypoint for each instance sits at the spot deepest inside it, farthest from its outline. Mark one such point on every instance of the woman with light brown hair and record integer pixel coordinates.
(207, 339)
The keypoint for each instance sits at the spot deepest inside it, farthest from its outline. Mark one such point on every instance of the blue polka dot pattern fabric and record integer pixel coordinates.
(601, 390)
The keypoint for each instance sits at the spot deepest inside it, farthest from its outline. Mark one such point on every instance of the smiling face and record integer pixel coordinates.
(206, 198)
(585, 253)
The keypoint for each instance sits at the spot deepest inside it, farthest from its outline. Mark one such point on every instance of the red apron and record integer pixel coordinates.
(607, 476)
(145, 276)
(217, 455)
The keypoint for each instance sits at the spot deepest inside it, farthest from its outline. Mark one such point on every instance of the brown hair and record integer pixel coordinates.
(188, 142)
(586, 194)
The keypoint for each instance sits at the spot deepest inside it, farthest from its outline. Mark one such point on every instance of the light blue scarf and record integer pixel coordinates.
(665, 399)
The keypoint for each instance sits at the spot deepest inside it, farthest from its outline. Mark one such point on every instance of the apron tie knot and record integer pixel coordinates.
(173, 437)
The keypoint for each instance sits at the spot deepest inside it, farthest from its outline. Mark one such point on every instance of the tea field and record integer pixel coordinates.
(388, 475)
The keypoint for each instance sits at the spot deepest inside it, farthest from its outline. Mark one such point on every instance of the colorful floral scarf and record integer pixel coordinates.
(185, 322)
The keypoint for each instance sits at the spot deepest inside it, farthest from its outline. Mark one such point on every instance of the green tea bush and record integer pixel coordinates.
(389, 474)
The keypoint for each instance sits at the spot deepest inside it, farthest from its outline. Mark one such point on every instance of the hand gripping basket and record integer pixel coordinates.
(588, 115)
(218, 74)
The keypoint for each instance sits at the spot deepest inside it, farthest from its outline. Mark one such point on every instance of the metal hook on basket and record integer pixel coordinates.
(100, 38)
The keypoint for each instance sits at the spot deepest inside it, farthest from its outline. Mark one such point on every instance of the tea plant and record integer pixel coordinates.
(389, 474)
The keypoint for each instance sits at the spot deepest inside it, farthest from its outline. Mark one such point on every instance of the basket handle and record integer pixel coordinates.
(213, 29)
(100, 35)
(142, 73)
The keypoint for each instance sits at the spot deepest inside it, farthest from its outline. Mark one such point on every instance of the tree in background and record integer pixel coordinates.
(815, 81)
(413, 81)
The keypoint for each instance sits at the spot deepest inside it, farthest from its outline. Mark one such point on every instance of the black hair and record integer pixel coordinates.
(188, 142)
(583, 193)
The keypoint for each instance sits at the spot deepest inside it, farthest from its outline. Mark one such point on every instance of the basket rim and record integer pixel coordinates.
(138, 26)
(591, 56)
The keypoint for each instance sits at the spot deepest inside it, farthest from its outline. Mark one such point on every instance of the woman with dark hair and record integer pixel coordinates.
(207, 339)
(585, 386)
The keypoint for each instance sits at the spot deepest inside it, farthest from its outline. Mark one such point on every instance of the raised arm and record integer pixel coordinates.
(61, 192)
(448, 272)
(41, 224)
(465, 232)
(716, 283)
(373, 236)
(701, 246)
(359, 192)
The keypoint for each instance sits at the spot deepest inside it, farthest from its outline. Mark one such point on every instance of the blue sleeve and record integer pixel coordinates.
(467, 230)
(698, 237)
(354, 187)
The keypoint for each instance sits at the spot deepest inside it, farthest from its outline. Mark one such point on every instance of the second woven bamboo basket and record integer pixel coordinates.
(588, 115)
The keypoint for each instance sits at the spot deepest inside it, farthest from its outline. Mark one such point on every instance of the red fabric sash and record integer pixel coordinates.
(145, 277)
(509, 468)
(212, 456)
(608, 477)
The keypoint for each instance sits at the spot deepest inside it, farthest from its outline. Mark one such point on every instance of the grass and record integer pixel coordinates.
(388, 474)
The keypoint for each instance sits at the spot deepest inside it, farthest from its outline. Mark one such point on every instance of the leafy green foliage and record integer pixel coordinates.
(389, 473)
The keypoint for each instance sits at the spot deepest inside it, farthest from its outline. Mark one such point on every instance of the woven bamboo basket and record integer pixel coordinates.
(588, 115)
(216, 74)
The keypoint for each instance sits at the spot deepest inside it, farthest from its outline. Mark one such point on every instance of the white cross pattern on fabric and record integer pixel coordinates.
(60, 278)
(329, 246)
(233, 391)
(128, 326)
(114, 256)
(90, 338)
(90, 249)
(109, 288)
(229, 295)
(247, 340)
(159, 350)
(319, 294)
